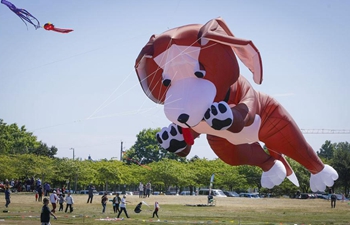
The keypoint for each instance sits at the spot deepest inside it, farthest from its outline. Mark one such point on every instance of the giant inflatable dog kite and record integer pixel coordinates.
(194, 72)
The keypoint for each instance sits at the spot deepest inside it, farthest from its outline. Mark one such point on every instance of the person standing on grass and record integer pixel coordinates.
(104, 200)
(7, 188)
(70, 202)
(53, 200)
(91, 193)
(116, 202)
(7, 197)
(46, 213)
(123, 207)
(140, 190)
(61, 201)
(36, 195)
(148, 189)
(156, 208)
(40, 193)
(47, 188)
(333, 200)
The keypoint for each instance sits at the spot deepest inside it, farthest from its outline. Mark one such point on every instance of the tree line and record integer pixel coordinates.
(23, 156)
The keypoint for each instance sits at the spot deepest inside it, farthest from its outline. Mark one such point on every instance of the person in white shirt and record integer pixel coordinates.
(53, 200)
(148, 189)
(70, 202)
(123, 207)
(140, 190)
(156, 208)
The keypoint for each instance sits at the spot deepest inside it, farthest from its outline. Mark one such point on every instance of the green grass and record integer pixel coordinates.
(269, 211)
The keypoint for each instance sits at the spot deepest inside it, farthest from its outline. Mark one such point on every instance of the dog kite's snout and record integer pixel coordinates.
(183, 118)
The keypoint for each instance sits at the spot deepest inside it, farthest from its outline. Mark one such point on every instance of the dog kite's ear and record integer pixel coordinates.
(216, 30)
(150, 83)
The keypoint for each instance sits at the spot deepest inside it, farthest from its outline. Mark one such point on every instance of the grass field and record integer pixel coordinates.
(173, 210)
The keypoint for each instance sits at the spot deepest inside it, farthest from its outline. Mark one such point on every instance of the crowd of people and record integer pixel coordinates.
(119, 205)
(58, 197)
(145, 189)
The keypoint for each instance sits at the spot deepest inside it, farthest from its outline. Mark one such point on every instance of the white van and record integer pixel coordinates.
(214, 192)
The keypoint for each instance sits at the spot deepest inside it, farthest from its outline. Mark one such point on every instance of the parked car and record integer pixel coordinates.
(249, 195)
(307, 196)
(108, 192)
(214, 192)
(322, 196)
(187, 193)
(85, 192)
(340, 197)
(231, 194)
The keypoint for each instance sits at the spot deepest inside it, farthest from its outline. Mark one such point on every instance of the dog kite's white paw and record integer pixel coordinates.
(219, 116)
(275, 176)
(323, 179)
(171, 138)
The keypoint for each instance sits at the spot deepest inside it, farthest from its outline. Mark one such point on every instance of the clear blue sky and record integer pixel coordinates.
(80, 90)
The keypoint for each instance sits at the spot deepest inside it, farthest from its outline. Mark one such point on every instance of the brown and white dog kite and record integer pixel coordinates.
(193, 71)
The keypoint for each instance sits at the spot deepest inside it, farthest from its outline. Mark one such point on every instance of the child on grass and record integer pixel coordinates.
(156, 208)
(46, 213)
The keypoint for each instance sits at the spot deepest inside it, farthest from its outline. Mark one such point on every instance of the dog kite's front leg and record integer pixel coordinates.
(219, 116)
(171, 138)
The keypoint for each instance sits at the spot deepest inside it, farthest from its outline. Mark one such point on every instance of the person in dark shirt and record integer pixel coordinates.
(104, 200)
(40, 193)
(91, 193)
(46, 213)
(7, 197)
(333, 200)
(116, 202)
(138, 208)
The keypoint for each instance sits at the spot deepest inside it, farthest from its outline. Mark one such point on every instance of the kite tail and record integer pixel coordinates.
(26, 16)
(60, 30)
(23, 14)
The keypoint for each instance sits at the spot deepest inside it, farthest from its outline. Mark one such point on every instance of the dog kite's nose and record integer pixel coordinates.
(183, 118)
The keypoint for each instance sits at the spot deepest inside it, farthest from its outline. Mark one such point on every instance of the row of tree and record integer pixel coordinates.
(116, 175)
(21, 156)
(17, 140)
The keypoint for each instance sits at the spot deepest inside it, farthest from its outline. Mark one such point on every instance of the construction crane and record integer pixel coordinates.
(325, 131)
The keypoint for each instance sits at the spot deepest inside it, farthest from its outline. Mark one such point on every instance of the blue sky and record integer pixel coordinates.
(80, 90)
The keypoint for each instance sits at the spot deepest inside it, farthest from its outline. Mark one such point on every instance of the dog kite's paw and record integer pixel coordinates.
(323, 179)
(274, 176)
(219, 116)
(171, 138)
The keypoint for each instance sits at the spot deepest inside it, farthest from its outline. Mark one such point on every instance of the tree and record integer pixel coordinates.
(15, 140)
(7, 170)
(326, 151)
(108, 172)
(341, 163)
(87, 173)
(44, 150)
(146, 149)
(229, 178)
(252, 174)
(168, 172)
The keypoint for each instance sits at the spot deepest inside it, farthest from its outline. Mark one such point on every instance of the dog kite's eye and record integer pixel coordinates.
(166, 82)
(200, 73)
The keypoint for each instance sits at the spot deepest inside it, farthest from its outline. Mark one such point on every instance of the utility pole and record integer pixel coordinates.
(121, 151)
(73, 152)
